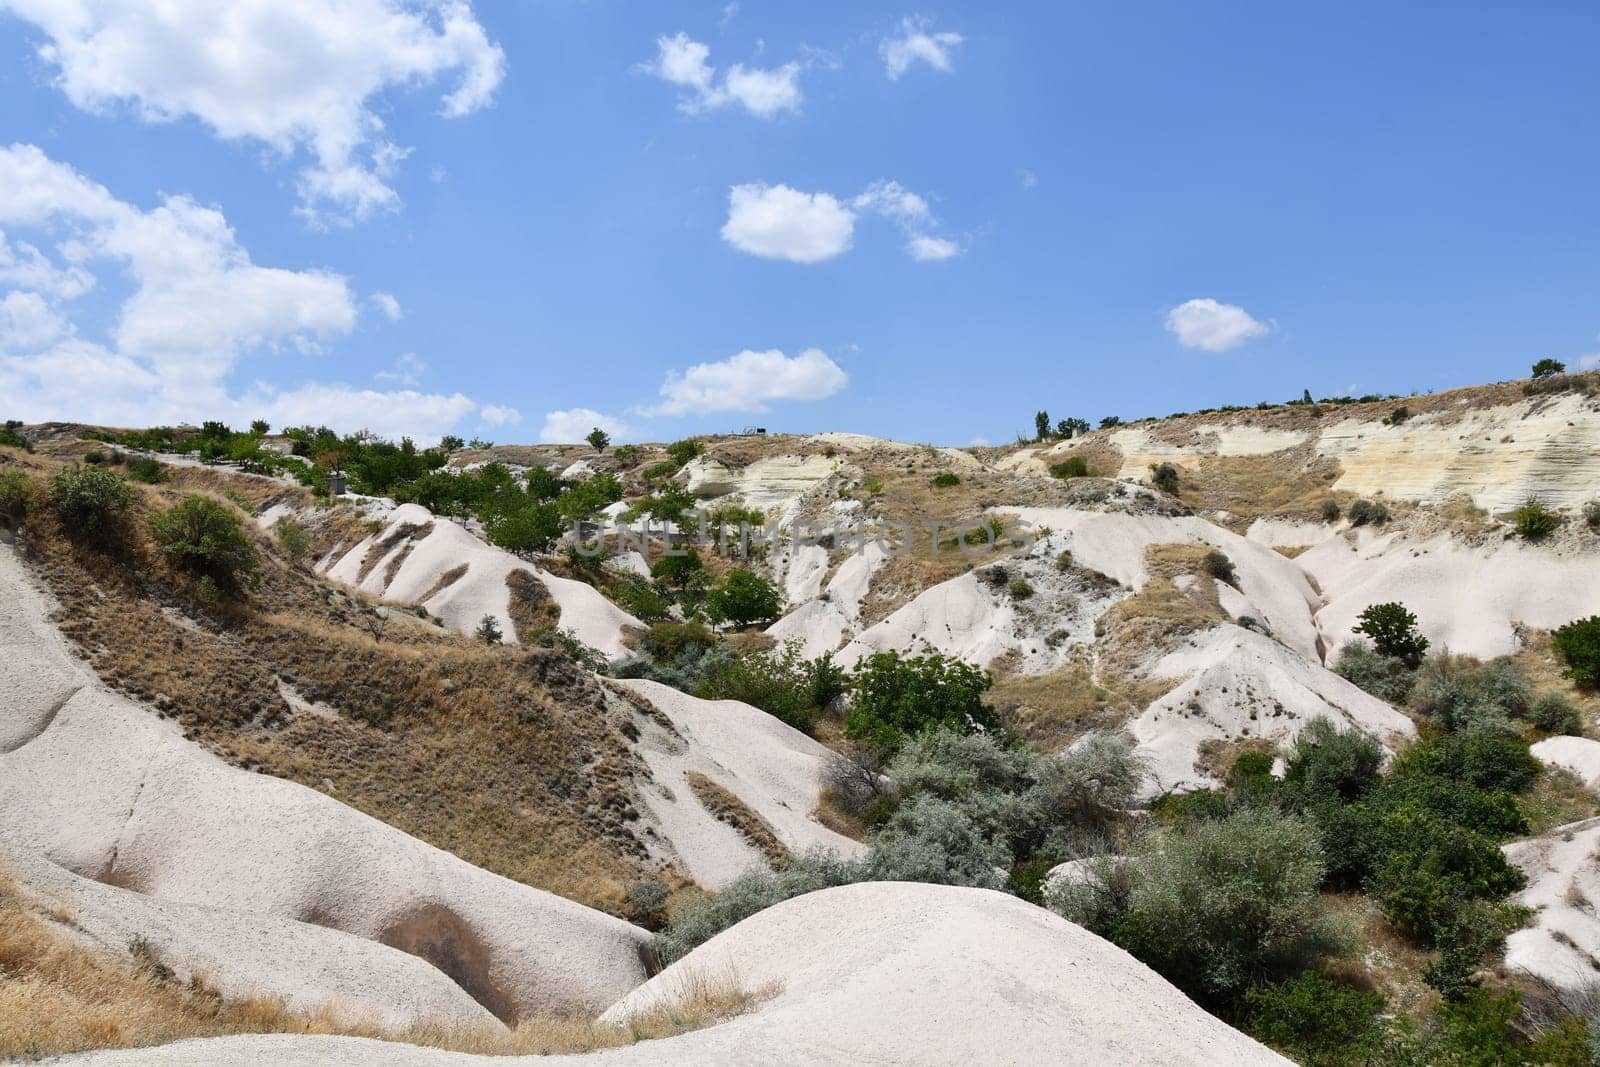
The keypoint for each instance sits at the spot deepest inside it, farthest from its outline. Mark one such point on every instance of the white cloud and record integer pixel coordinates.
(891, 199)
(573, 425)
(1212, 326)
(499, 415)
(407, 370)
(748, 381)
(292, 74)
(1028, 178)
(916, 45)
(197, 305)
(23, 265)
(27, 323)
(926, 249)
(978, 442)
(424, 417)
(777, 222)
(683, 62)
(1589, 362)
(387, 304)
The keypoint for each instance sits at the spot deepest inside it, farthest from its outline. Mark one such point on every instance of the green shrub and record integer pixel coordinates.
(1368, 512)
(1544, 368)
(1534, 521)
(1459, 694)
(1225, 905)
(16, 494)
(1330, 511)
(11, 436)
(1217, 565)
(1579, 644)
(1164, 476)
(694, 923)
(627, 455)
(1591, 514)
(945, 479)
(1019, 589)
(657, 471)
(90, 502)
(292, 539)
(1398, 415)
(930, 839)
(781, 682)
(1071, 467)
(1483, 759)
(1385, 677)
(743, 598)
(95, 457)
(148, 470)
(678, 569)
(644, 601)
(1319, 1022)
(205, 537)
(682, 452)
(1555, 714)
(895, 697)
(1326, 763)
(488, 630)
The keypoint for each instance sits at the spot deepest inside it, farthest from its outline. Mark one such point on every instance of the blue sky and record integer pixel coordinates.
(1120, 209)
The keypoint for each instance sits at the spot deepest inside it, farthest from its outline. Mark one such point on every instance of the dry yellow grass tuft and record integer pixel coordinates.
(737, 814)
(59, 995)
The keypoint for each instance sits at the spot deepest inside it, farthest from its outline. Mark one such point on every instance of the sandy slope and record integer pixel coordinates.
(1241, 685)
(887, 973)
(481, 590)
(102, 788)
(1466, 598)
(1562, 945)
(770, 766)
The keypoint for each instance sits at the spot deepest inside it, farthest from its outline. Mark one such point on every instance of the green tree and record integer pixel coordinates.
(260, 427)
(679, 569)
(895, 697)
(598, 439)
(204, 536)
(1393, 631)
(1041, 426)
(488, 630)
(1579, 644)
(1547, 367)
(90, 502)
(743, 598)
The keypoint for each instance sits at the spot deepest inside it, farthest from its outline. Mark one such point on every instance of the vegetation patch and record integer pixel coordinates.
(728, 808)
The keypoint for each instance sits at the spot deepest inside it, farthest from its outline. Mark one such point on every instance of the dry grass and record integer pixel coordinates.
(1557, 797)
(1537, 661)
(1292, 483)
(58, 995)
(1052, 710)
(1389, 962)
(736, 813)
(532, 607)
(512, 758)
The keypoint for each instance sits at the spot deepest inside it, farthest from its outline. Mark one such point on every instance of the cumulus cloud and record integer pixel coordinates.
(387, 304)
(296, 75)
(778, 222)
(499, 415)
(748, 381)
(1589, 362)
(197, 304)
(28, 323)
(684, 62)
(23, 265)
(926, 249)
(573, 425)
(916, 44)
(1212, 326)
(424, 417)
